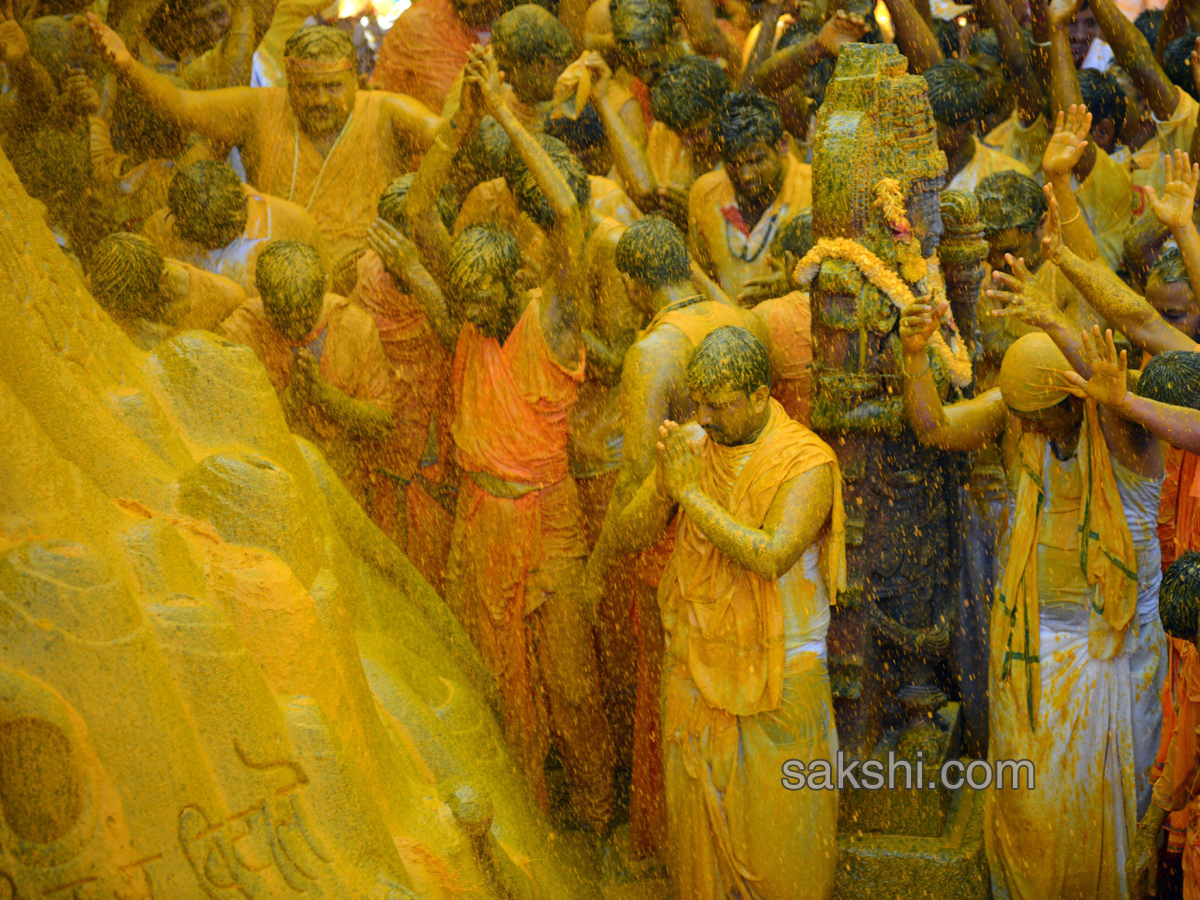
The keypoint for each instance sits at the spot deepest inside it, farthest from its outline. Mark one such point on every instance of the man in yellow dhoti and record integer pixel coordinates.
(1078, 653)
(745, 604)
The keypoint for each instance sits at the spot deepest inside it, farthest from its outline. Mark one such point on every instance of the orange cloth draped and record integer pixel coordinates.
(789, 324)
(339, 190)
(1177, 750)
(267, 219)
(513, 401)
(730, 833)
(734, 629)
(350, 357)
(646, 804)
(420, 370)
(423, 52)
(1107, 559)
(1179, 512)
(1178, 532)
(511, 553)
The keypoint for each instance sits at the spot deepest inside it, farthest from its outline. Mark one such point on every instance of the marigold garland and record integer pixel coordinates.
(879, 274)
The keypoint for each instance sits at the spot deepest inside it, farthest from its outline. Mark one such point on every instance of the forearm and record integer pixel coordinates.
(1188, 239)
(421, 219)
(700, 19)
(637, 516)
(544, 172)
(361, 420)
(628, 155)
(762, 47)
(191, 110)
(1110, 297)
(1065, 335)
(751, 548)
(788, 66)
(968, 425)
(1179, 426)
(1174, 24)
(1136, 57)
(914, 36)
(417, 280)
(998, 15)
(1076, 234)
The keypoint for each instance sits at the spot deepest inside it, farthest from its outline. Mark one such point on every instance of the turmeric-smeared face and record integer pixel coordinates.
(756, 173)
(729, 415)
(322, 101)
(1176, 303)
(488, 303)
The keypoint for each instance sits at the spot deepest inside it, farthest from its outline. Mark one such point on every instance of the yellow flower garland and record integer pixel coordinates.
(879, 274)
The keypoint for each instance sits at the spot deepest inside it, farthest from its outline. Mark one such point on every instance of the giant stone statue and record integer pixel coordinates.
(879, 215)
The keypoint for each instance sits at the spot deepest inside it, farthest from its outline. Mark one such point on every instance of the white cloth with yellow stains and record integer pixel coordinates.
(1098, 721)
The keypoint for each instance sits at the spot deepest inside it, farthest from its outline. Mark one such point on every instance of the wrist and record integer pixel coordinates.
(914, 360)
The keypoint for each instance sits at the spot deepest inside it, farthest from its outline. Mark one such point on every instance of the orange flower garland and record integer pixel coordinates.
(881, 276)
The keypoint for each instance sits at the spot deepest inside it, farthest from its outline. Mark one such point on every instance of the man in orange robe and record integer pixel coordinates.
(215, 223)
(320, 142)
(323, 357)
(745, 598)
(652, 254)
(420, 368)
(518, 549)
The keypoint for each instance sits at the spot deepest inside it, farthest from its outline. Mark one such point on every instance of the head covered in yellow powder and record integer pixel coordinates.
(1028, 381)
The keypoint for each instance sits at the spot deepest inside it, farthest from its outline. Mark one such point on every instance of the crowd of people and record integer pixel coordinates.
(527, 276)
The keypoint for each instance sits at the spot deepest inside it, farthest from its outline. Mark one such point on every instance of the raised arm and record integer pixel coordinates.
(34, 89)
(1109, 386)
(1176, 208)
(1064, 81)
(1136, 57)
(793, 523)
(998, 15)
(1069, 151)
(403, 262)
(913, 34)
(560, 307)
(421, 218)
(789, 65)
(413, 123)
(227, 116)
(1022, 300)
(700, 19)
(628, 149)
(967, 425)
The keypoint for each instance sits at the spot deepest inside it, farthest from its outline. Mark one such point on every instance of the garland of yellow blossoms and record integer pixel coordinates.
(879, 274)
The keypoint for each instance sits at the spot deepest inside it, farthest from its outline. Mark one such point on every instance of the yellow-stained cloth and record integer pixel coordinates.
(1106, 551)
(736, 705)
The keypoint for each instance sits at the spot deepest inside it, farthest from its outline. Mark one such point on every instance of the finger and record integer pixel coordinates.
(1089, 350)
(1003, 278)
(1020, 273)
(1151, 196)
(1110, 345)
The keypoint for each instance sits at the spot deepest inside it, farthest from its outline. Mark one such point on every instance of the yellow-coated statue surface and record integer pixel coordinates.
(217, 678)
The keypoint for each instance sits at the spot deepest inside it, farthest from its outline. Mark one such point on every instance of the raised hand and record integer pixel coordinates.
(483, 71)
(1021, 299)
(1068, 142)
(80, 94)
(394, 248)
(13, 40)
(1177, 204)
(109, 45)
(678, 460)
(1052, 243)
(840, 28)
(918, 322)
(1063, 11)
(600, 72)
(1108, 384)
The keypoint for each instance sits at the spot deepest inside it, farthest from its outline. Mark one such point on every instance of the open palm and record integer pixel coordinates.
(1174, 208)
